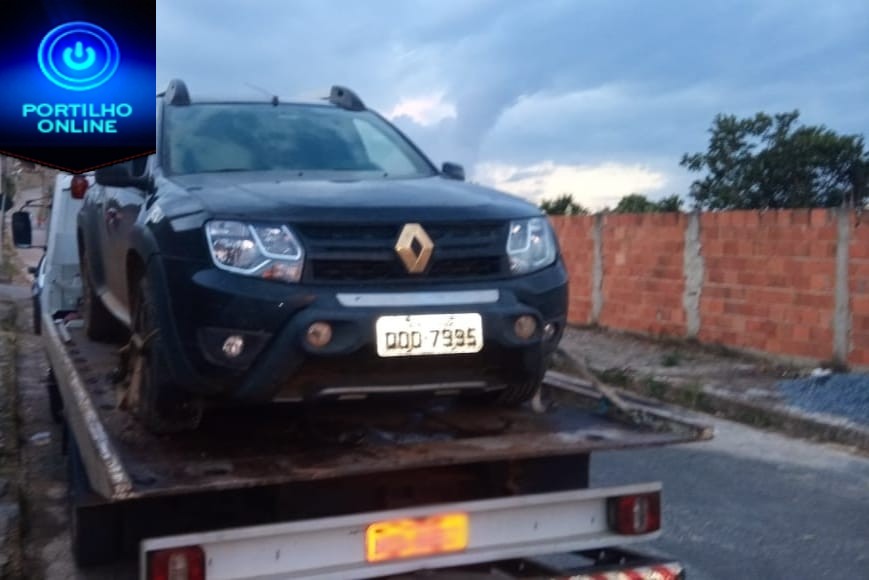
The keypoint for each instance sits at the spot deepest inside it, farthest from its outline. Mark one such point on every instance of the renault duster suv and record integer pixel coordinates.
(276, 251)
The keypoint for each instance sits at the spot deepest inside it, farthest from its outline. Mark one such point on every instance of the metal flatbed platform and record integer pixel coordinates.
(281, 444)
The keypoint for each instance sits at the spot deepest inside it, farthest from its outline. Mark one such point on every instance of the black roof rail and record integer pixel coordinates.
(346, 99)
(176, 93)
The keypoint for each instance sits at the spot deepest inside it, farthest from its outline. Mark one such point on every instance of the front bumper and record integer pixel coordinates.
(278, 363)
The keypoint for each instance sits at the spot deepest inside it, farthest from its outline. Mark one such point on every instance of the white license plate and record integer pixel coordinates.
(429, 334)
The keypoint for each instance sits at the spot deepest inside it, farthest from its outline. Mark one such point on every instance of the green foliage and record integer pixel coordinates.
(769, 162)
(617, 377)
(636, 203)
(669, 203)
(656, 388)
(671, 359)
(562, 205)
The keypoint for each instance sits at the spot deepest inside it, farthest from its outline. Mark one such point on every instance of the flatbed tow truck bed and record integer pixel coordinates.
(432, 489)
(280, 444)
(273, 475)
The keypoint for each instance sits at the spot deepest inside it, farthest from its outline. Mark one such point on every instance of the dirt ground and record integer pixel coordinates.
(812, 403)
(622, 357)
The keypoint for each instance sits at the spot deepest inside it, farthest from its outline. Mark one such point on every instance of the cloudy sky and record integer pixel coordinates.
(598, 98)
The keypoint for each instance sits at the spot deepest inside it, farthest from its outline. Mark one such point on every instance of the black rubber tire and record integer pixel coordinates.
(37, 316)
(99, 323)
(36, 294)
(55, 402)
(163, 406)
(516, 394)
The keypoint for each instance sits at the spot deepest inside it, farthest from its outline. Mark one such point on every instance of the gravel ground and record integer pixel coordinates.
(846, 395)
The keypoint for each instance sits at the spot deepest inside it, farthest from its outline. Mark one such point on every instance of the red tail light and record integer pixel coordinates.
(177, 564)
(632, 515)
(79, 186)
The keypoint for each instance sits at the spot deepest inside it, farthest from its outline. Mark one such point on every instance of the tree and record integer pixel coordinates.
(768, 161)
(670, 203)
(634, 203)
(562, 205)
(637, 203)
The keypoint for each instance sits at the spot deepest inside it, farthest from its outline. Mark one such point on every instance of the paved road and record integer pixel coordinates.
(751, 504)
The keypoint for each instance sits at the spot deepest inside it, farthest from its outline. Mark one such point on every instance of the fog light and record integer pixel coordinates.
(319, 334)
(525, 326)
(549, 330)
(233, 346)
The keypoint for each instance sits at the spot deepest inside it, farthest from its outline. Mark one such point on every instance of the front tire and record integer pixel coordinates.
(162, 406)
(517, 394)
(99, 323)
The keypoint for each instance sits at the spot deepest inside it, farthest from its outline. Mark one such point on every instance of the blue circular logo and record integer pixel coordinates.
(78, 56)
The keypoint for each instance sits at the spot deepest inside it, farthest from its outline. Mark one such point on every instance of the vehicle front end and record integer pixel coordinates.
(298, 311)
(313, 251)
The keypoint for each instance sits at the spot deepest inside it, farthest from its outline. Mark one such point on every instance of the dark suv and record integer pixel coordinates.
(287, 251)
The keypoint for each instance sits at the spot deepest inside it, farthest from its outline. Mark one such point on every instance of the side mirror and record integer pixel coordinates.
(453, 171)
(121, 175)
(22, 229)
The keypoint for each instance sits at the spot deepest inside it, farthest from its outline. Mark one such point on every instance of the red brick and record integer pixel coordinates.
(801, 217)
(819, 217)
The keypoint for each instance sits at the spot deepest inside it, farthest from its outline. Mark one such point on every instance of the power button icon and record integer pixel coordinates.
(78, 56)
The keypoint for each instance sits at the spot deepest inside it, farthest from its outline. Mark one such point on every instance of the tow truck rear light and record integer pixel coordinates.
(633, 515)
(78, 187)
(186, 563)
(659, 572)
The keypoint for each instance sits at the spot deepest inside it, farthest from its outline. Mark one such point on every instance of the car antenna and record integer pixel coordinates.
(273, 96)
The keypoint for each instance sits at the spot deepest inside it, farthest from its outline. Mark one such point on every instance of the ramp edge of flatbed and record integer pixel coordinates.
(104, 467)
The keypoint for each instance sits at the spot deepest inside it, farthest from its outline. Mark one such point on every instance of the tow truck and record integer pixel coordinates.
(429, 489)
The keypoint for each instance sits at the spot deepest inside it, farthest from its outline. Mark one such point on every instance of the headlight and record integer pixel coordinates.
(531, 245)
(264, 251)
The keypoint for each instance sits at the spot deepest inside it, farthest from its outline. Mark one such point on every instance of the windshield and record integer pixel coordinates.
(300, 138)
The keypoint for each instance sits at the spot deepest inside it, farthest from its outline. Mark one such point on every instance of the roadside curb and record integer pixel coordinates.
(755, 413)
(775, 417)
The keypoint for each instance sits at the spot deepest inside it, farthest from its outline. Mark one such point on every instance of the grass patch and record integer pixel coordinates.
(616, 377)
(656, 388)
(671, 359)
(690, 395)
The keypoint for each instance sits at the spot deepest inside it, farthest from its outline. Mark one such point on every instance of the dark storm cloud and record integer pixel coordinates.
(568, 81)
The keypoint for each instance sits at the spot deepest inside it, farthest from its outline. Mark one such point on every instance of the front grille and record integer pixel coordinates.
(375, 270)
(366, 253)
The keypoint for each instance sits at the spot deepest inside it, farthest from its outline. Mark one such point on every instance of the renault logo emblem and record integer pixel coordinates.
(414, 247)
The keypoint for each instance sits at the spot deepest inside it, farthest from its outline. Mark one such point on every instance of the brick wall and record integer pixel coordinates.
(767, 281)
(770, 281)
(858, 280)
(577, 246)
(643, 259)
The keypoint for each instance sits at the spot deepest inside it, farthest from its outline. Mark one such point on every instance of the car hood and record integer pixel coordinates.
(271, 197)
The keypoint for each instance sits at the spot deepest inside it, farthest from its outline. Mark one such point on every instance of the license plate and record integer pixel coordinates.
(429, 334)
(413, 537)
